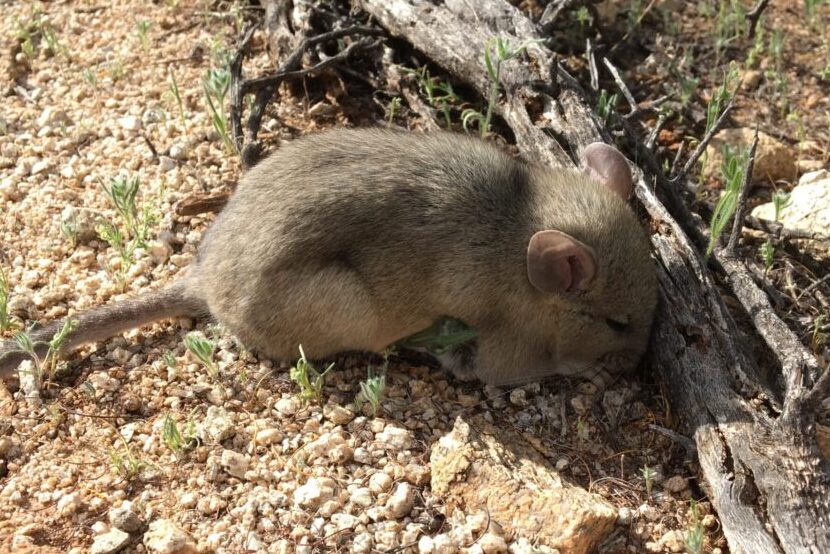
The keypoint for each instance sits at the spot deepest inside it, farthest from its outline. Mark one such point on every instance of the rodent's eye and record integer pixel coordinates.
(618, 326)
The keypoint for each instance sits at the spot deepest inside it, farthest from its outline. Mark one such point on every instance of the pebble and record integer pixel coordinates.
(287, 407)
(269, 436)
(179, 151)
(401, 501)
(380, 482)
(130, 123)
(166, 163)
(518, 397)
(110, 542)
(316, 491)
(396, 437)
(492, 544)
(217, 425)
(125, 518)
(361, 496)
(338, 414)
(362, 544)
(164, 537)
(234, 463)
(69, 504)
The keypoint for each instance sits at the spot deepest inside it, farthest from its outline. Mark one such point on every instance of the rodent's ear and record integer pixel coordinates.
(558, 263)
(605, 164)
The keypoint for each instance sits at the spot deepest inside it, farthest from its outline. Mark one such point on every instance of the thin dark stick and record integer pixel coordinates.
(740, 210)
(677, 157)
(622, 86)
(812, 286)
(753, 16)
(236, 86)
(152, 148)
(553, 10)
(652, 138)
(777, 230)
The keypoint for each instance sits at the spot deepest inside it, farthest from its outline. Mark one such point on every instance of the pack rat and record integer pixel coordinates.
(353, 239)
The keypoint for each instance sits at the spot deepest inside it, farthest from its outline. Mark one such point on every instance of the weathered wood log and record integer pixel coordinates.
(764, 473)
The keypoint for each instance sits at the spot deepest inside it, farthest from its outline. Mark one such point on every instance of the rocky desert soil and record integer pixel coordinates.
(135, 445)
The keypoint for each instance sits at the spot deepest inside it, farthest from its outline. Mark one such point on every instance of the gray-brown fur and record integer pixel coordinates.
(353, 239)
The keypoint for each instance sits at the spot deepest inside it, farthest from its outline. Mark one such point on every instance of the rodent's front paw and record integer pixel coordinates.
(460, 361)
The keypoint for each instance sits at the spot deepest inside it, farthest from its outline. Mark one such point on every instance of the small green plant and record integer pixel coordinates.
(394, 106)
(583, 16)
(128, 464)
(758, 45)
(216, 83)
(174, 90)
(169, 359)
(780, 200)
(497, 51)
(440, 94)
(175, 440)
(203, 350)
(767, 252)
(89, 77)
(606, 104)
(122, 192)
(308, 378)
(49, 362)
(694, 537)
(724, 93)
(27, 43)
(372, 389)
(649, 474)
(811, 7)
(6, 323)
(729, 24)
(143, 27)
(124, 247)
(115, 70)
(734, 167)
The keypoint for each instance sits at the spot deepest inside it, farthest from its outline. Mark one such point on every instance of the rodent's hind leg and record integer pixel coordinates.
(327, 310)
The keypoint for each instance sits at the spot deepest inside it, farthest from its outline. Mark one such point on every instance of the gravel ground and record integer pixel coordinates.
(86, 467)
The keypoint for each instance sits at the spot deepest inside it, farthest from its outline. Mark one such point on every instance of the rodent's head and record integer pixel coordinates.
(595, 272)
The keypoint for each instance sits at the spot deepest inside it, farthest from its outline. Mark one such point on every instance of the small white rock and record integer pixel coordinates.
(362, 544)
(166, 163)
(401, 501)
(396, 437)
(130, 123)
(287, 407)
(110, 542)
(316, 491)
(125, 518)
(269, 436)
(69, 504)
(379, 482)
(234, 463)
(217, 426)
(164, 537)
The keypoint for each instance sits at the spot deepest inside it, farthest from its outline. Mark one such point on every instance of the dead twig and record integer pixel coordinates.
(622, 86)
(698, 152)
(777, 230)
(236, 86)
(265, 87)
(740, 210)
(753, 15)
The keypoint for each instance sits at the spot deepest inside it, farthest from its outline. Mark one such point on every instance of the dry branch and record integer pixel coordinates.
(763, 472)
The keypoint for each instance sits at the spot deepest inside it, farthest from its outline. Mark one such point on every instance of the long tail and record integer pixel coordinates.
(108, 320)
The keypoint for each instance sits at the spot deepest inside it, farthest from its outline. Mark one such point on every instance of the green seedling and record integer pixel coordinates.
(128, 465)
(175, 440)
(308, 378)
(169, 359)
(372, 389)
(27, 43)
(89, 77)
(125, 248)
(497, 51)
(649, 474)
(394, 106)
(203, 350)
(439, 94)
(722, 96)
(49, 362)
(583, 16)
(734, 167)
(6, 323)
(115, 70)
(758, 45)
(122, 192)
(730, 25)
(606, 104)
(174, 89)
(142, 27)
(780, 200)
(694, 537)
(216, 83)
